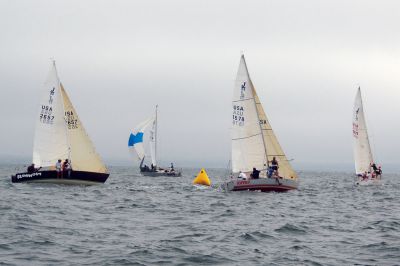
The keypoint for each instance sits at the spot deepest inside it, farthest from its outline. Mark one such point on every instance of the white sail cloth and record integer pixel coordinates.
(361, 146)
(253, 140)
(59, 132)
(135, 143)
(50, 140)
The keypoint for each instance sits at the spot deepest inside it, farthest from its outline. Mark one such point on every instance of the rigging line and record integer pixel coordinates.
(247, 137)
(243, 100)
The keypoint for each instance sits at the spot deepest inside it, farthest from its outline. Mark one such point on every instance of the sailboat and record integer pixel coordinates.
(258, 161)
(59, 136)
(136, 146)
(366, 170)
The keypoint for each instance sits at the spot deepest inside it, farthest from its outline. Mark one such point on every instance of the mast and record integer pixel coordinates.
(258, 116)
(65, 122)
(155, 136)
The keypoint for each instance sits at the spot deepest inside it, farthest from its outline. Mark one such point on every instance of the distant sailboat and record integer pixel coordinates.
(363, 159)
(136, 145)
(60, 135)
(254, 144)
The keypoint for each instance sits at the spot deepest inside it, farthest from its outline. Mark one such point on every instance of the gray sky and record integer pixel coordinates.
(117, 59)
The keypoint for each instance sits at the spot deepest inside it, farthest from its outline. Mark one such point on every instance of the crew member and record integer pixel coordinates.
(67, 167)
(242, 176)
(255, 173)
(58, 169)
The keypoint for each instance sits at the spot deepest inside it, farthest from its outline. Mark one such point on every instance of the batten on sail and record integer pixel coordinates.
(361, 145)
(83, 155)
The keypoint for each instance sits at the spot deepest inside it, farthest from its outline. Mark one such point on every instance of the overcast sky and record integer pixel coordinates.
(118, 59)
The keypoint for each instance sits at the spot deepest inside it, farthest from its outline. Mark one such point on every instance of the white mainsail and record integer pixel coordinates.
(50, 141)
(253, 140)
(361, 146)
(83, 155)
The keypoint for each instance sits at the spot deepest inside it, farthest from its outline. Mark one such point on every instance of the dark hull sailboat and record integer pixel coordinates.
(50, 176)
(60, 135)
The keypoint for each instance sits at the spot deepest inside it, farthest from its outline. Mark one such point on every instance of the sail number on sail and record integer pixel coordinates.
(238, 115)
(72, 122)
(355, 130)
(45, 115)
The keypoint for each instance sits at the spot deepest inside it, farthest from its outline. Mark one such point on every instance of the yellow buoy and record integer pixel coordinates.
(202, 178)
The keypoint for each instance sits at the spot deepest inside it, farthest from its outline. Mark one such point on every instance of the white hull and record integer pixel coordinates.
(261, 184)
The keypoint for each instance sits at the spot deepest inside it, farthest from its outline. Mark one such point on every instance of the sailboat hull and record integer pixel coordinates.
(368, 181)
(76, 178)
(160, 173)
(262, 184)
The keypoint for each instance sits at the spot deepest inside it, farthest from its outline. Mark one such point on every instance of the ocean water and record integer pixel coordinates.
(135, 220)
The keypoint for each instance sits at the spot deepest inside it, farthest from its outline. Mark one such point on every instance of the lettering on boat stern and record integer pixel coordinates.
(243, 182)
(19, 176)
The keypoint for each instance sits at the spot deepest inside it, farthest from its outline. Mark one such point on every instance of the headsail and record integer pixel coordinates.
(273, 147)
(361, 146)
(82, 152)
(248, 148)
(50, 141)
(135, 142)
(253, 140)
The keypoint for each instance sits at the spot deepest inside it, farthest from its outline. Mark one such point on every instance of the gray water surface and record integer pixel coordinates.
(135, 220)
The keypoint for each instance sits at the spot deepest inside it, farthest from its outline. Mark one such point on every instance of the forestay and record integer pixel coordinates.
(82, 152)
(50, 140)
(361, 146)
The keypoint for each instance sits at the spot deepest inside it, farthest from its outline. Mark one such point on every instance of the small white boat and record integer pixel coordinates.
(136, 146)
(254, 144)
(363, 159)
(60, 135)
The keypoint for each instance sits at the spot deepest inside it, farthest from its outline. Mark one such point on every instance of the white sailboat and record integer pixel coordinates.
(60, 135)
(254, 144)
(363, 159)
(136, 146)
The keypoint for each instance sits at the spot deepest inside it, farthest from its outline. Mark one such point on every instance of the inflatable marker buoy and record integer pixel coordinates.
(202, 178)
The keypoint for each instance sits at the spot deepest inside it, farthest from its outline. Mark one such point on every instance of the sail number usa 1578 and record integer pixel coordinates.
(238, 115)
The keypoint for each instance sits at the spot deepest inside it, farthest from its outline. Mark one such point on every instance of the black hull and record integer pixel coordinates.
(76, 178)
